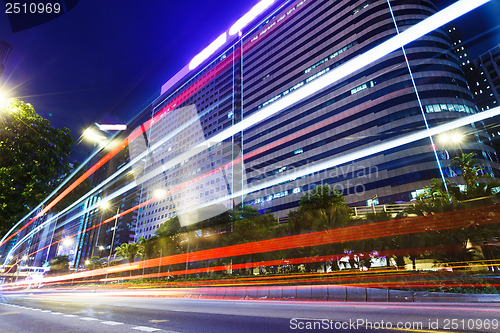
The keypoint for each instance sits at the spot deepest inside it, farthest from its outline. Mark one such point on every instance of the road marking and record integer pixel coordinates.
(46, 311)
(146, 329)
(158, 320)
(111, 323)
(70, 315)
(56, 313)
(8, 313)
(88, 318)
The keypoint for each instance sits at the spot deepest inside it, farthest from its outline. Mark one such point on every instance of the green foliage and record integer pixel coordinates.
(251, 227)
(59, 264)
(129, 251)
(33, 159)
(170, 227)
(473, 175)
(96, 262)
(319, 210)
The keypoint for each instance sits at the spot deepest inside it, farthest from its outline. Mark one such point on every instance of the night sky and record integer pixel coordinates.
(105, 60)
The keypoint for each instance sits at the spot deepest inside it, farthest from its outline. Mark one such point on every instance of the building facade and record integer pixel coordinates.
(5, 51)
(208, 111)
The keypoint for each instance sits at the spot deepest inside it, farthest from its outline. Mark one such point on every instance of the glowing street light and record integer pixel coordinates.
(104, 205)
(159, 193)
(67, 242)
(92, 135)
(112, 127)
(451, 138)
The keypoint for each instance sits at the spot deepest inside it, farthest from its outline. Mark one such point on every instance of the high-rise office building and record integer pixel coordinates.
(487, 79)
(5, 51)
(269, 162)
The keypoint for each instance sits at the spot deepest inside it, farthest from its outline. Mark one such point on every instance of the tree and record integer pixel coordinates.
(33, 159)
(472, 173)
(319, 210)
(95, 262)
(322, 209)
(129, 251)
(59, 264)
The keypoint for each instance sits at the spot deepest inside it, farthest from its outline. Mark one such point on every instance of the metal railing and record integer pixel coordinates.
(391, 209)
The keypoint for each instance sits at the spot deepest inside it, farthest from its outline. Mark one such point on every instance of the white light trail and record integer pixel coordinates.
(420, 29)
(362, 153)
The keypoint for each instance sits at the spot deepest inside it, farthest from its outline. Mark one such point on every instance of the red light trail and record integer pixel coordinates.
(442, 221)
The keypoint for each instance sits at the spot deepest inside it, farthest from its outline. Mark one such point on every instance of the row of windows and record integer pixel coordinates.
(276, 119)
(449, 107)
(390, 63)
(351, 132)
(273, 196)
(331, 56)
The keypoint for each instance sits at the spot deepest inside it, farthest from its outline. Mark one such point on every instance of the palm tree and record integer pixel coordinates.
(129, 251)
(472, 172)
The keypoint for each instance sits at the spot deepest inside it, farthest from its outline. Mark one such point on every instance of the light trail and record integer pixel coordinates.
(348, 277)
(431, 23)
(442, 221)
(304, 172)
(362, 153)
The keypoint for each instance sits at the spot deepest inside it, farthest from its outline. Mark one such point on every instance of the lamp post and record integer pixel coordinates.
(454, 138)
(114, 232)
(112, 240)
(104, 205)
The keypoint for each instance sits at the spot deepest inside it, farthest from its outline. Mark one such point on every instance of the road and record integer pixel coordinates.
(110, 311)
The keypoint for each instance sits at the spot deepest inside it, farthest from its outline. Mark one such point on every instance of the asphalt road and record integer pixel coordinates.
(69, 311)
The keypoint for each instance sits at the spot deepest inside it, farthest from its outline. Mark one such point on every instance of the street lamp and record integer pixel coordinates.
(454, 138)
(67, 242)
(104, 205)
(92, 135)
(114, 232)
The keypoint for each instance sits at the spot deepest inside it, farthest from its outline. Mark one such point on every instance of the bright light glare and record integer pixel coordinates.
(208, 51)
(250, 16)
(451, 138)
(112, 127)
(456, 138)
(92, 135)
(104, 204)
(67, 242)
(444, 138)
(4, 100)
(159, 193)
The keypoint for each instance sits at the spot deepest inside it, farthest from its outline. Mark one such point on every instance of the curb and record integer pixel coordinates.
(336, 293)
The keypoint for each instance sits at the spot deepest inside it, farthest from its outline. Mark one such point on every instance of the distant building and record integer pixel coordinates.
(487, 79)
(5, 51)
(485, 85)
